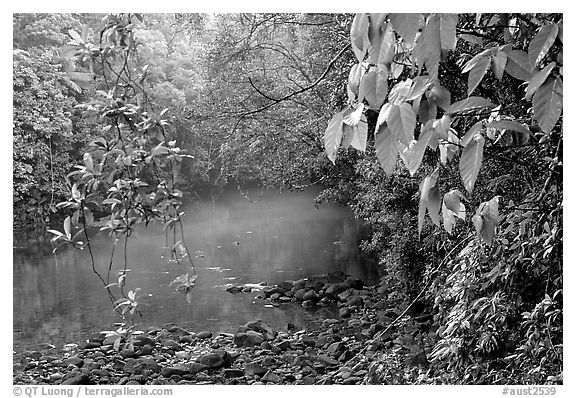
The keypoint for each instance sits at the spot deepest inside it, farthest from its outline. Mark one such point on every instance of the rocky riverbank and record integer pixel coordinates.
(350, 349)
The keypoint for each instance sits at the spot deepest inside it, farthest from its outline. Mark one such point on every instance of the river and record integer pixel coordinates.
(273, 238)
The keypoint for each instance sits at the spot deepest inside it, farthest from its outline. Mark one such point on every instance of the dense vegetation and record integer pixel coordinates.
(399, 116)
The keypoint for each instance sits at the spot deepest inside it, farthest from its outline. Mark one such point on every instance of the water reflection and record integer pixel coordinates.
(57, 299)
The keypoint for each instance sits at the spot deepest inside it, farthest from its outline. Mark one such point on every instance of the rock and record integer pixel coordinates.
(335, 349)
(77, 380)
(284, 345)
(275, 296)
(344, 312)
(172, 345)
(286, 285)
(97, 337)
(308, 340)
(34, 355)
(140, 365)
(249, 338)
(253, 369)
(233, 373)
(327, 360)
(195, 367)
(271, 377)
(145, 350)
(424, 318)
(324, 339)
(76, 361)
(355, 300)
(346, 356)
(353, 380)
(268, 362)
(212, 360)
(110, 340)
(178, 370)
(261, 327)
(343, 297)
(299, 284)
(299, 294)
(266, 346)
(186, 339)
(93, 344)
(354, 283)
(128, 353)
(308, 304)
(331, 321)
(183, 354)
(234, 289)
(56, 376)
(311, 295)
(143, 340)
(204, 335)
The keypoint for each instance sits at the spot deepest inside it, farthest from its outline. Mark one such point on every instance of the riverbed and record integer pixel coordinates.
(232, 240)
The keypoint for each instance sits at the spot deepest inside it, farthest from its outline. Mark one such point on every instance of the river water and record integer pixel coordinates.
(273, 238)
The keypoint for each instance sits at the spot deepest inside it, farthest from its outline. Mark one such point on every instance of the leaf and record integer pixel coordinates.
(448, 24)
(471, 161)
(486, 220)
(399, 92)
(406, 25)
(75, 192)
(419, 86)
(432, 43)
(541, 43)
(452, 200)
(468, 104)
(477, 73)
(471, 133)
(429, 200)
(88, 162)
(386, 54)
(369, 85)
(475, 59)
(499, 63)
(509, 125)
(449, 217)
(547, 104)
(88, 216)
(352, 117)
(348, 135)
(76, 36)
(440, 96)
(333, 135)
(518, 65)
(67, 227)
(360, 135)
(538, 79)
(402, 122)
(383, 114)
(386, 149)
(412, 155)
(381, 85)
(354, 78)
(359, 36)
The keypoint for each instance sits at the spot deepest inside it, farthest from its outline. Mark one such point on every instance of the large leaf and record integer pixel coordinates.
(359, 36)
(449, 148)
(354, 78)
(419, 86)
(402, 122)
(471, 161)
(387, 45)
(360, 135)
(386, 149)
(453, 199)
(406, 25)
(67, 227)
(518, 65)
(399, 92)
(471, 133)
(538, 79)
(381, 85)
(347, 135)
(509, 125)
(486, 220)
(547, 104)
(352, 116)
(333, 136)
(374, 87)
(429, 200)
(541, 43)
(412, 155)
(433, 45)
(477, 73)
(449, 217)
(440, 96)
(469, 104)
(383, 114)
(499, 63)
(375, 31)
(448, 31)
(475, 59)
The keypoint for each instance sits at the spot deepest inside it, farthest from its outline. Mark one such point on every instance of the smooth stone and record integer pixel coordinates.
(186, 339)
(299, 294)
(233, 373)
(77, 380)
(212, 360)
(355, 300)
(271, 377)
(310, 295)
(76, 361)
(142, 340)
(308, 304)
(172, 345)
(140, 365)
(204, 335)
(253, 369)
(249, 338)
(178, 370)
(344, 312)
